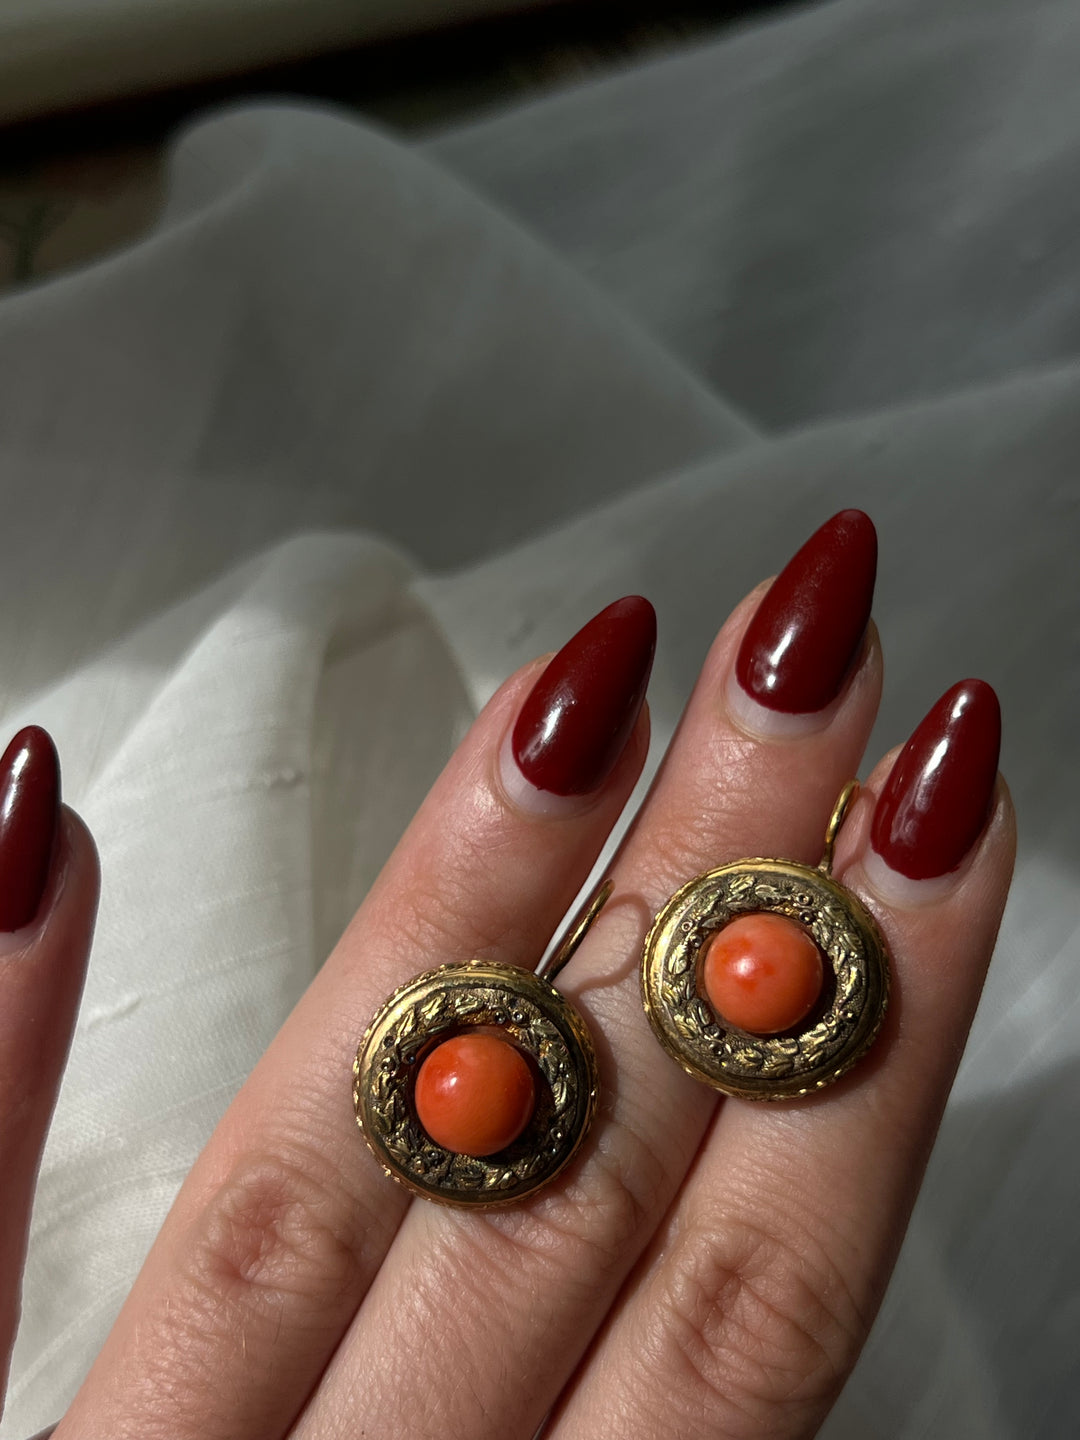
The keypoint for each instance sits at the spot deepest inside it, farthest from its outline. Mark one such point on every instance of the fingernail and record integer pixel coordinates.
(29, 815)
(580, 713)
(937, 798)
(806, 634)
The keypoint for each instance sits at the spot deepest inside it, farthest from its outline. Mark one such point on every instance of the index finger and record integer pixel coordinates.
(284, 1221)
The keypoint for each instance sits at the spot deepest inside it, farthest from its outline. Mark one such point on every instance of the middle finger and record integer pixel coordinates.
(476, 1320)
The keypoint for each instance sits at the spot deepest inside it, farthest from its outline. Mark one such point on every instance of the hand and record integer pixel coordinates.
(703, 1269)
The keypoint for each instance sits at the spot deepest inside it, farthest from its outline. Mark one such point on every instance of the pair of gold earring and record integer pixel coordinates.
(546, 1075)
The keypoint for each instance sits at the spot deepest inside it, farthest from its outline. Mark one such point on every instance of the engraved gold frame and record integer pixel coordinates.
(839, 1031)
(531, 1013)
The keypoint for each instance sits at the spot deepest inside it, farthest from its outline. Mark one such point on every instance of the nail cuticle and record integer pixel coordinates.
(519, 794)
(757, 722)
(899, 892)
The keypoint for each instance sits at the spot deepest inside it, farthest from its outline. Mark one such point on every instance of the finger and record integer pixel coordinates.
(762, 1287)
(286, 1217)
(48, 898)
(525, 1290)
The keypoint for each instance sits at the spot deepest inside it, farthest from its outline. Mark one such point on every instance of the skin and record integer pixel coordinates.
(705, 1269)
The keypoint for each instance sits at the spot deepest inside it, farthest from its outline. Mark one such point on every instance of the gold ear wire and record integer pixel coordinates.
(844, 802)
(578, 928)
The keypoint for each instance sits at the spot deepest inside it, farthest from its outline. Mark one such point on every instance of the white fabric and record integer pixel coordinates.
(293, 483)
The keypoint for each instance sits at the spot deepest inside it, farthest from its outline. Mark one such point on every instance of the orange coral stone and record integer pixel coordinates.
(475, 1094)
(762, 973)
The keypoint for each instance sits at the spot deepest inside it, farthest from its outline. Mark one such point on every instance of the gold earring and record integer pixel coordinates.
(507, 1031)
(698, 972)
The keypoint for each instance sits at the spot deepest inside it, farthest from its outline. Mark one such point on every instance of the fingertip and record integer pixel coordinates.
(83, 857)
(70, 898)
(936, 809)
(29, 815)
(938, 795)
(861, 694)
(575, 723)
(805, 638)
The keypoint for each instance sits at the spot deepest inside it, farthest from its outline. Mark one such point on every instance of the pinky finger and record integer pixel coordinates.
(48, 899)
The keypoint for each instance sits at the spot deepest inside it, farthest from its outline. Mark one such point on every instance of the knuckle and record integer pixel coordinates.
(621, 1191)
(757, 1326)
(264, 1279)
(278, 1231)
(589, 1229)
(472, 910)
(695, 837)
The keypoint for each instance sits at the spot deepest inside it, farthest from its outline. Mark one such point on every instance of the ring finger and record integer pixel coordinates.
(759, 1291)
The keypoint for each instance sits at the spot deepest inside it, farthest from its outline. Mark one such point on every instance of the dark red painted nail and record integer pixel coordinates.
(29, 815)
(806, 633)
(580, 713)
(937, 799)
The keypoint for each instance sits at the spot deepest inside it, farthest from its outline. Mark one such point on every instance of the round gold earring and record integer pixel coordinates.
(527, 1056)
(708, 955)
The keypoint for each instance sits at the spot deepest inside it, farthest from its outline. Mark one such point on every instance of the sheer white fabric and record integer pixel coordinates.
(291, 485)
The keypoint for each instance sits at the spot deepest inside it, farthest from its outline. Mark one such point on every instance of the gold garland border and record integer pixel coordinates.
(765, 1067)
(449, 1000)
